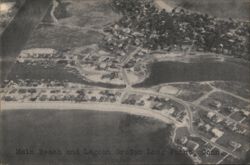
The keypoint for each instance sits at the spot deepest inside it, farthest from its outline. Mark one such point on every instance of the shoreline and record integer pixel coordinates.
(179, 57)
(63, 106)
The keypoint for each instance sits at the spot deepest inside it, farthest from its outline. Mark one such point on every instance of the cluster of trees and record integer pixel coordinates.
(177, 28)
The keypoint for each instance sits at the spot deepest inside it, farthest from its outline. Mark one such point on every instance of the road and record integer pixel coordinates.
(129, 89)
(190, 115)
(119, 107)
(128, 57)
(125, 78)
(124, 62)
(186, 104)
(55, 4)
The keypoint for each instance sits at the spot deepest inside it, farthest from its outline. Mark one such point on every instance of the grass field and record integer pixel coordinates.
(94, 13)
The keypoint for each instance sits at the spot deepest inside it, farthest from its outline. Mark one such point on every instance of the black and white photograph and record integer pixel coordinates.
(124, 82)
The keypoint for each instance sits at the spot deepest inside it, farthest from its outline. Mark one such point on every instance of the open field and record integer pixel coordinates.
(192, 91)
(95, 13)
(238, 88)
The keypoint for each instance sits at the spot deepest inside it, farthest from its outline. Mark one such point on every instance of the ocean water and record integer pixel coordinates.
(85, 137)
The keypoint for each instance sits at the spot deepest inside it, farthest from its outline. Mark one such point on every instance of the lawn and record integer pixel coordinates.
(94, 13)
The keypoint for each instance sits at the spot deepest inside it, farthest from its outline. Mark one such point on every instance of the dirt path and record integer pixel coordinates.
(55, 4)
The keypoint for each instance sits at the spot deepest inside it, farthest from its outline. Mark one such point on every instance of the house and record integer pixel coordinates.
(208, 127)
(158, 106)
(191, 145)
(171, 110)
(5, 7)
(218, 133)
(215, 104)
(217, 119)
(93, 98)
(210, 115)
(102, 65)
(183, 140)
(141, 103)
(234, 144)
(247, 113)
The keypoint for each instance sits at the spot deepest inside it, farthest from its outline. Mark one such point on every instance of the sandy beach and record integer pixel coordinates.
(8, 106)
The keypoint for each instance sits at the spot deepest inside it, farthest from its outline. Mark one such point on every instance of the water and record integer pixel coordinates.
(204, 70)
(95, 137)
(51, 73)
(16, 34)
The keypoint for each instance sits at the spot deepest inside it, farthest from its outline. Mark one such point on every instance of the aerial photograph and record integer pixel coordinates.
(124, 82)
